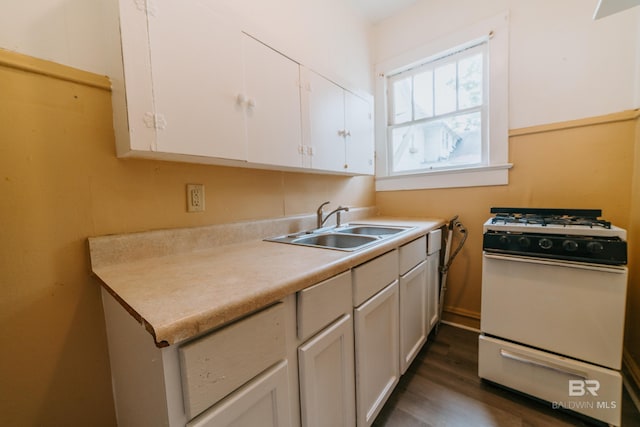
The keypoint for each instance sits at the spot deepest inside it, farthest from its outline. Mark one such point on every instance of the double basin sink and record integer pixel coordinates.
(348, 237)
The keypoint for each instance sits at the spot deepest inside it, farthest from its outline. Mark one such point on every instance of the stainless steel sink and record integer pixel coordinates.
(336, 240)
(349, 237)
(371, 230)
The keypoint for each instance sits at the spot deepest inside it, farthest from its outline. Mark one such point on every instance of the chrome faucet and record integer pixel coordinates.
(321, 219)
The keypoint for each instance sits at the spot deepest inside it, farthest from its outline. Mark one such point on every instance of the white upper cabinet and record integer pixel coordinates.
(339, 130)
(359, 157)
(199, 89)
(323, 110)
(272, 92)
(196, 57)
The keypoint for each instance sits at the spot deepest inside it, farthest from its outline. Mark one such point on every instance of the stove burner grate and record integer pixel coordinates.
(544, 220)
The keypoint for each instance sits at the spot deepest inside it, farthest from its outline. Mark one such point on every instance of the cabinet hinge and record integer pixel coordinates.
(155, 121)
(148, 6)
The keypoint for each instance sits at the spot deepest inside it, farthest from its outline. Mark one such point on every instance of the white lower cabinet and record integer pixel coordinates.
(434, 245)
(329, 355)
(413, 314)
(432, 292)
(217, 364)
(326, 374)
(377, 351)
(264, 401)
(413, 300)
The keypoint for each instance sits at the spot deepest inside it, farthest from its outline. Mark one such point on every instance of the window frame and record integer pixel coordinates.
(479, 46)
(495, 166)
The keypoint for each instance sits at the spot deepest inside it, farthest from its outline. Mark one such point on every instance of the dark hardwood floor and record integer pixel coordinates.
(442, 388)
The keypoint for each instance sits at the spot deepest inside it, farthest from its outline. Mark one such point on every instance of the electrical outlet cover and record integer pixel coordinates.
(195, 198)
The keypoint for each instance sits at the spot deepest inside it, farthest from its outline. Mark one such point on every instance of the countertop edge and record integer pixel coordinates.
(197, 322)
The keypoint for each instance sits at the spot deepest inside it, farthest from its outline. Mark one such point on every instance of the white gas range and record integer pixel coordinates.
(554, 287)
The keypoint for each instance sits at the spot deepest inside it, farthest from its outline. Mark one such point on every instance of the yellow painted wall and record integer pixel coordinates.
(60, 183)
(632, 338)
(580, 164)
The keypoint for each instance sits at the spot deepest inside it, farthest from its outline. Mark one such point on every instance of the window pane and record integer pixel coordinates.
(470, 82)
(423, 94)
(454, 141)
(401, 101)
(445, 88)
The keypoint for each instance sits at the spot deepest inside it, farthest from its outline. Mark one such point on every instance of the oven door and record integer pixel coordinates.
(573, 309)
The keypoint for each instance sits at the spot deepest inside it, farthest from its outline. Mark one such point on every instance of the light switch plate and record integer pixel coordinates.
(195, 197)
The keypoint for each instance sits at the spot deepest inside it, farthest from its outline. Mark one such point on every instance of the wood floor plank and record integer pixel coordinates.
(442, 389)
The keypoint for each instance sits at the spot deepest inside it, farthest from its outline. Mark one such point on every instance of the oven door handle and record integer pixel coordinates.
(542, 364)
(618, 269)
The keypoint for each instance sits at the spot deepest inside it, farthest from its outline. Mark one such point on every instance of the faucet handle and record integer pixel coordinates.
(338, 212)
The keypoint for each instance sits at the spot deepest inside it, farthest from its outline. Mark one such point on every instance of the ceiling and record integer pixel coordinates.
(377, 10)
(609, 7)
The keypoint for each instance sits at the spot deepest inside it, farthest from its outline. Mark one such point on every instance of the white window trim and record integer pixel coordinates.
(496, 172)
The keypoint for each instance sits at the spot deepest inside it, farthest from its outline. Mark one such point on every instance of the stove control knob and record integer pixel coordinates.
(595, 247)
(545, 243)
(524, 242)
(570, 245)
(504, 240)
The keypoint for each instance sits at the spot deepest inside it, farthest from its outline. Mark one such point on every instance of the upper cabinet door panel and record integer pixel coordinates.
(137, 75)
(326, 123)
(272, 90)
(359, 141)
(196, 56)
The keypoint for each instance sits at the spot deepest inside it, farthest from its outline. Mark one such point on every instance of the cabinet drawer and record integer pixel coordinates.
(552, 378)
(435, 241)
(373, 276)
(264, 401)
(321, 304)
(217, 364)
(412, 254)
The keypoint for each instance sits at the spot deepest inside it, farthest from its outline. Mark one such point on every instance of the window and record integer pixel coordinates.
(437, 113)
(446, 112)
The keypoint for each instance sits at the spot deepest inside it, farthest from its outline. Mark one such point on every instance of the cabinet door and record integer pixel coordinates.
(377, 366)
(359, 138)
(413, 314)
(133, 95)
(433, 290)
(264, 401)
(327, 376)
(272, 91)
(196, 62)
(324, 114)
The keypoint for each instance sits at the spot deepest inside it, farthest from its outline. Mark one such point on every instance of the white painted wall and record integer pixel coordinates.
(562, 64)
(71, 32)
(326, 35)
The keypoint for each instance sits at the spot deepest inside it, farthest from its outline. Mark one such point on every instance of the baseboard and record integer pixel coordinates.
(461, 316)
(460, 326)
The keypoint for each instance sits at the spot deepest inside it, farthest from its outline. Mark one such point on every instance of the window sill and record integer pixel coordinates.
(451, 178)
